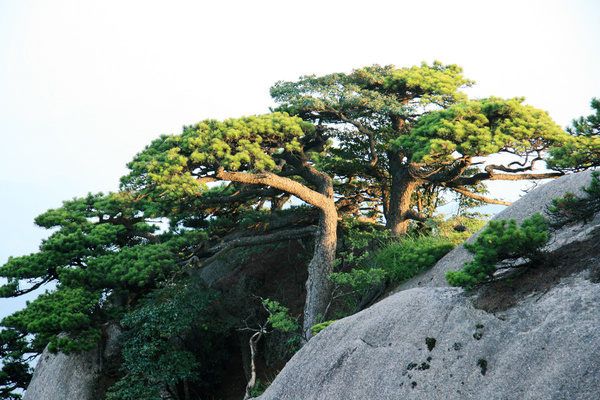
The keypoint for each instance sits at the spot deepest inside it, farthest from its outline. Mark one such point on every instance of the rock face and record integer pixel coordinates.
(428, 341)
(76, 376)
(535, 201)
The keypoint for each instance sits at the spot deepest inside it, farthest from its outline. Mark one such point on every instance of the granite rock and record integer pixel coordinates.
(429, 342)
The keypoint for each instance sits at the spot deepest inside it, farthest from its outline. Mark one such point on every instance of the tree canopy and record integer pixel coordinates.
(401, 128)
(379, 145)
(582, 149)
(264, 156)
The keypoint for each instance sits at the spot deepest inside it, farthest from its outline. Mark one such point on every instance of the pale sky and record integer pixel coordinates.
(85, 85)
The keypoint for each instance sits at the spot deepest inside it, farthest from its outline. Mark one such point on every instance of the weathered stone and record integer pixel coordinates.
(83, 376)
(545, 348)
(429, 342)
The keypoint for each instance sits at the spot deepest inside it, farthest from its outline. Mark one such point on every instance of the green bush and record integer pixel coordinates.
(407, 258)
(319, 327)
(501, 241)
(371, 260)
(571, 209)
(173, 340)
(398, 261)
(457, 228)
(360, 280)
(279, 316)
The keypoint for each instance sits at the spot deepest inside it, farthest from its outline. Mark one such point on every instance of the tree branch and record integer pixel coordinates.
(486, 176)
(459, 168)
(275, 237)
(252, 382)
(288, 185)
(361, 128)
(416, 216)
(220, 249)
(36, 286)
(474, 196)
(245, 193)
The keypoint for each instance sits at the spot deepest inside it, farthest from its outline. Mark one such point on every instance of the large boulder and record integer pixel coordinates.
(77, 376)
(430, 341)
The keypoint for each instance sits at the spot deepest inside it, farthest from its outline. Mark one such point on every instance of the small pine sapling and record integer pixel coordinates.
(501, 245)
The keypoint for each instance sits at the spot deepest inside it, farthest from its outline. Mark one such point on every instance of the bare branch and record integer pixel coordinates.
(483, 176)
(253, 342)
(416, 216)
(206, 179)
(220, 249)
(474, 196)
(268, 178)
(520, 177)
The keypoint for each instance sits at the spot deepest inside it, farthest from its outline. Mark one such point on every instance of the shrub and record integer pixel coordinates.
(398, 261)
(174, 340)
(371, 259)
(407, 258)
(279, 317)
(319, 327)
(457, 228)
(504, 242)
(572, 209)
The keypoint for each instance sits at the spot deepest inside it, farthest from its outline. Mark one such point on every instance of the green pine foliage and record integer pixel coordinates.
(91, 235)
(379, 89)
(412, 255)
(167, 169)
(15, 372)
(572, 209)
(480, 128)
(102, 255)
(502, 242)
(582, 149)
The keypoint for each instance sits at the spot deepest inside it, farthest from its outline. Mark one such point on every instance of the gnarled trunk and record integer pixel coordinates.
(399, 211)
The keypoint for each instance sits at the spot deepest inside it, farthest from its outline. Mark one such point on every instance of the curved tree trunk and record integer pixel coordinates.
(318, 286)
